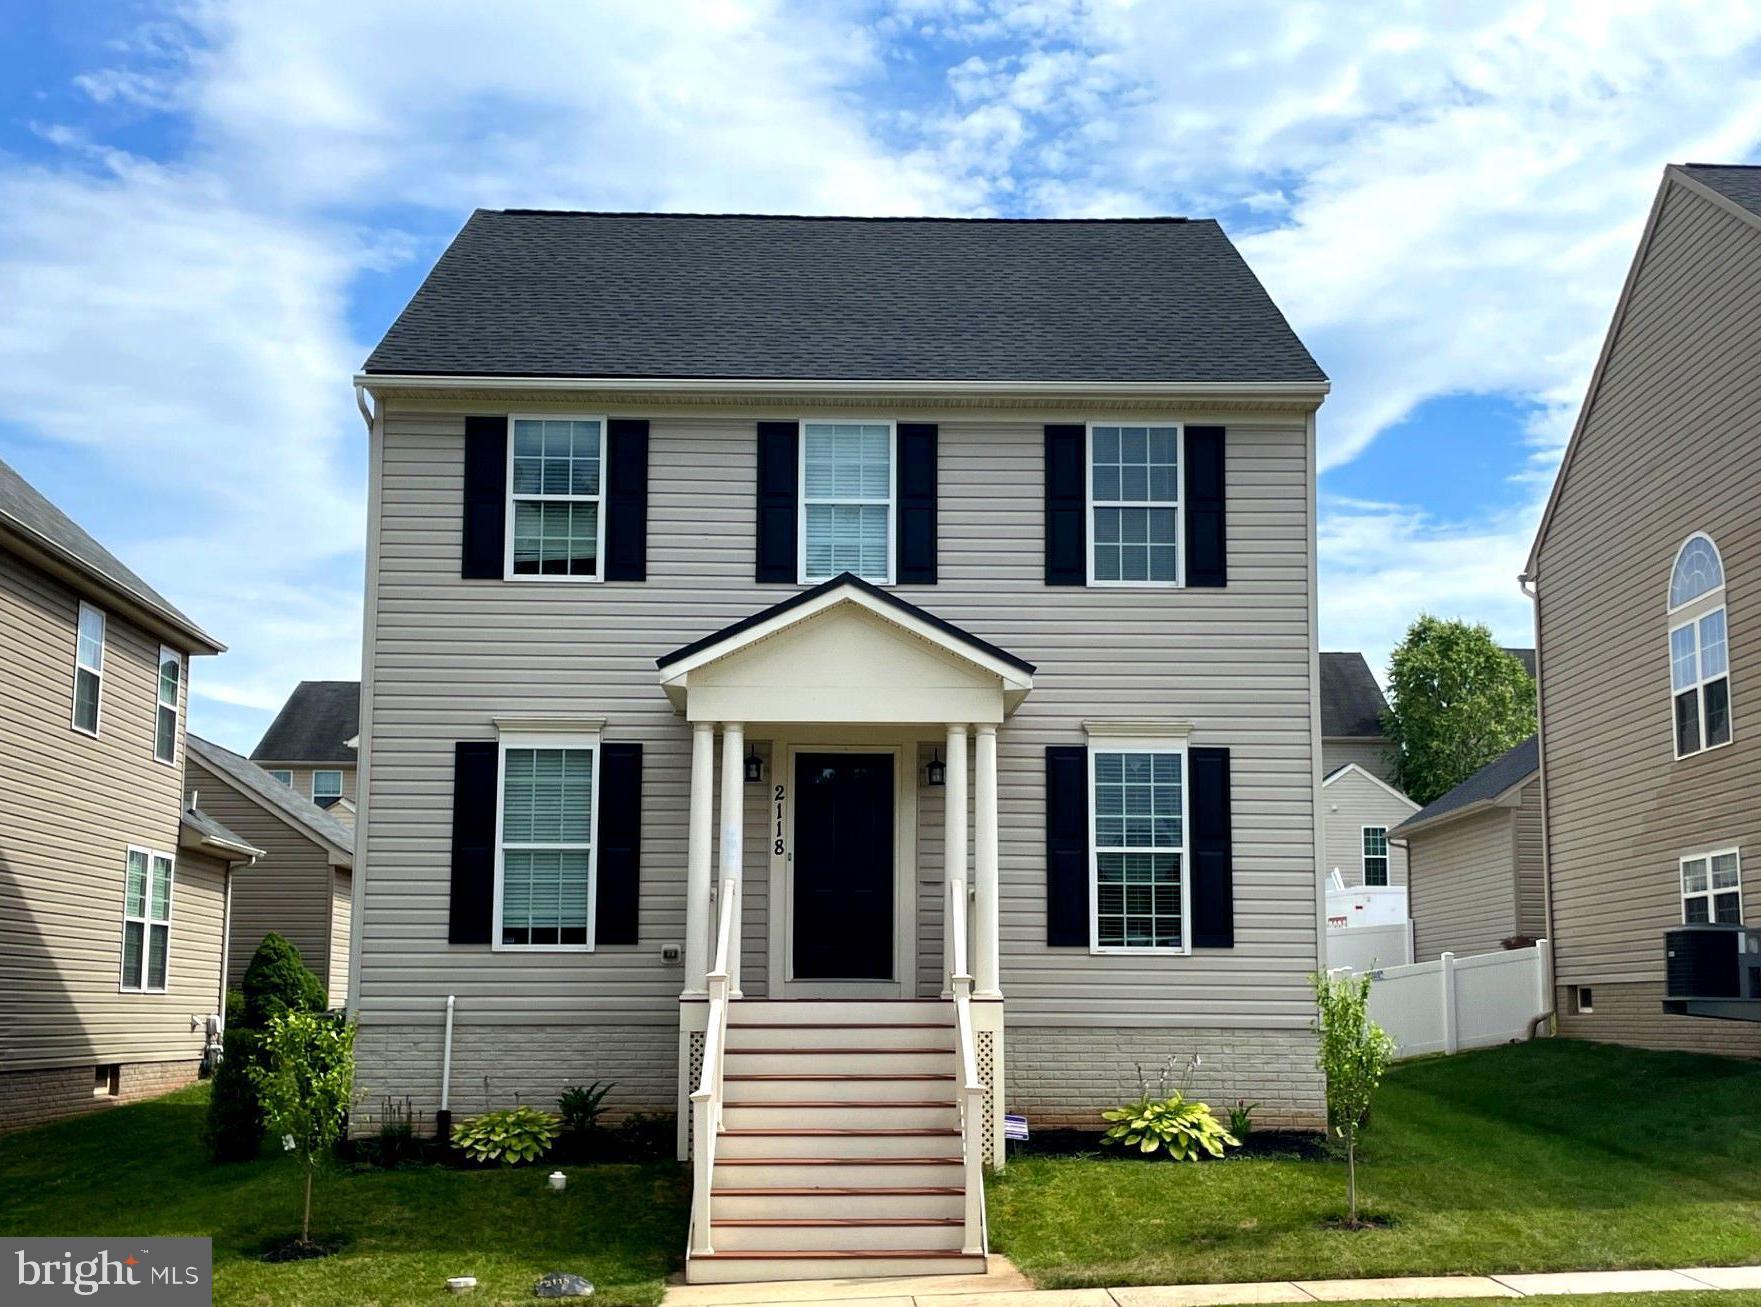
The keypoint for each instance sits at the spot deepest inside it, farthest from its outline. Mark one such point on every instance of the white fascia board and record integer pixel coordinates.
(1369, 776)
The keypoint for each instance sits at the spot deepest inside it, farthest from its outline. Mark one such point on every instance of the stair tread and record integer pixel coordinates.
(873, 1191)
(826, 1254)
(838, 1025)
(834, 1132)
(841, 1075)
(947, 1160)
(824, 1222)
(847, 1102)
(816, 1051)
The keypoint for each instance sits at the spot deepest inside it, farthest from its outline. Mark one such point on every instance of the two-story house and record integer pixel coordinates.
(839, 679)
(310, 745)
(1359, 798)
(1644, 570)
(113, 890)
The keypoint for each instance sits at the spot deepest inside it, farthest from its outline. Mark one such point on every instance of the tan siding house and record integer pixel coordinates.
(1360, 810)
(1645, 569)
(112, 894)
(311, 745)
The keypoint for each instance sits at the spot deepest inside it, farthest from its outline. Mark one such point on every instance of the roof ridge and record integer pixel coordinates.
(828, 217)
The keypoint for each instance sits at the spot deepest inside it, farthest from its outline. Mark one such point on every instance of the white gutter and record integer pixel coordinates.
(375, 382)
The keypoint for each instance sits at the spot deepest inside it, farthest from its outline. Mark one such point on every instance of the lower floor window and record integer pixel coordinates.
(1712, 888)
(1138, 813)
(1586, 999)
(146, 921)
(547, 813)
(1375, 855)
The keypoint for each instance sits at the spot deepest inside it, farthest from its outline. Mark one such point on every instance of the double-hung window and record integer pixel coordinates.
(146, 921)
(281, 774)
(1699, 653)
(88, 669)
(1375, 855)
(1137, 815)
(556, 518)
(847, 500)
(1712, 887)
(165, 724)
(326, 787)
(1134, 504)
(545, 856)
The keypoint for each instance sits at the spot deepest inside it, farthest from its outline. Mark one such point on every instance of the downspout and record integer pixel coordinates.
(1528, 583)
(443, 1118)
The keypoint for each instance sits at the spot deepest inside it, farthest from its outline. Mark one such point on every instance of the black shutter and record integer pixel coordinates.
(917, 503)
(1066, 507)
(1213, 875)
(1207, 539)
(779, 446)
(486, 498)
(626, 499)
(471, 912)
(1067, 845)
(618, 894)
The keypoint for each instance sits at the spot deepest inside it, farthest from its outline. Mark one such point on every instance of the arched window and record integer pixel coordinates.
(1699, 653)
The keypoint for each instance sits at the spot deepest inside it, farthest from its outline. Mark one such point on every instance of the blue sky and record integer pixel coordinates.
(209, 211)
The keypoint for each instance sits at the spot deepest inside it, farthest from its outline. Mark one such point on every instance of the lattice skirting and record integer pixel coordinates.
(987, 1074)
(693, 1077)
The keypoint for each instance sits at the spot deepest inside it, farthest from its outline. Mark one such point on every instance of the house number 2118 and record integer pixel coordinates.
(779, 805)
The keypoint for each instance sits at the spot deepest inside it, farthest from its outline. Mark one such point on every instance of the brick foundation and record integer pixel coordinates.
(1633, 1014)
(30, 1098)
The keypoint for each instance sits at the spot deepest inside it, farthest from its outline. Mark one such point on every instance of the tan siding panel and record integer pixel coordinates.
(1463, 895)
(1531, 889)
(1371, 755)
(1350, 803)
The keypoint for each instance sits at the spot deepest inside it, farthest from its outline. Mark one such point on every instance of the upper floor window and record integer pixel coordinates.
(88, 669)
(1375, 855)
(281, 774)
(544, 886)
(165, 727)
(1138, 819)
(146, 921)
(1699, 655)
(847, 500)
(1712, 887)
(556, 529)
(1134, 504)
(326, 787)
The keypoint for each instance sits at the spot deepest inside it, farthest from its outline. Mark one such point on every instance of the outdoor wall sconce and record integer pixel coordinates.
(935, 771)
(754, 766)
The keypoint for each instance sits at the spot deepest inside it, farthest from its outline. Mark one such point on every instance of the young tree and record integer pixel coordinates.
(1457, 701)
(1353, 1054)
(306, 1083)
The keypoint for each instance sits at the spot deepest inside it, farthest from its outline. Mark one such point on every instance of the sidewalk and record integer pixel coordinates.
(1004, 1286)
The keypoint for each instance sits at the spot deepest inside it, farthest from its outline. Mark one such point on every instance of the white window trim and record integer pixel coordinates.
(1701, 680)
(166, 651)
(282, 774)
(1141, 744)
(326, 771)
(802, 501)
(1682, 882)
(98, 671)
(1675, 561)
(147, 924)
(1583, 992)
(1179, 504)
(507, 557)
(1364, 855)
(545, 739)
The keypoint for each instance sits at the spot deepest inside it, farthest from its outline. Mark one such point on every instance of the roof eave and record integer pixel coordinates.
(1502, 799)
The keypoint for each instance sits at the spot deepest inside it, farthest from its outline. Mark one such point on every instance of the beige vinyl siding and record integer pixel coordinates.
(1462, 895)
(1531, 887)
(341, 893)
(1667, 448)
(70, 805)
(288, 890)
(450, 655)
(302, 779)
(1371, 755)
(1348, 804)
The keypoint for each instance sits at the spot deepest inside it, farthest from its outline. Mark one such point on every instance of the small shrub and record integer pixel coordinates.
(277, 981)
(1241, 1119)
(647, 1136)
(581, 1108)
(510, 1136)
(1176, 1123)
(233, 1131)
(397, 1142)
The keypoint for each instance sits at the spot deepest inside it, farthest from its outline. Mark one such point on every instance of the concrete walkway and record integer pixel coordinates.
(1004, 1286)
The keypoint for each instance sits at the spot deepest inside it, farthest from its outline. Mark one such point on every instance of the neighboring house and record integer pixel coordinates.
(311, 744)
(987, 536)
(1359, 800)
(1474, 878)
(1351, 717)
(112, 893)
(1647, 572)
(302, 886)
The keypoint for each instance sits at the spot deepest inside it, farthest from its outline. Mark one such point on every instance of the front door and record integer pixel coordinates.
(843, 866)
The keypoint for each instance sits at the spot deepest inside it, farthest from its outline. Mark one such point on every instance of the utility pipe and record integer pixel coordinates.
(443, 1118)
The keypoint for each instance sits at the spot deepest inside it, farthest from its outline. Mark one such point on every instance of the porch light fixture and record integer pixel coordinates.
(935, 771)
(754, 766)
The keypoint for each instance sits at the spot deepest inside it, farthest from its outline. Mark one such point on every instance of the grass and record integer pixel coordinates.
(1550, 1156)
(141, 1170)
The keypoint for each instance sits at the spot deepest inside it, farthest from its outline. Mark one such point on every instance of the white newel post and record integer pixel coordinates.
(1446, 981)
(986, 964)
(733, 826)
(954, 845)
(700, 854)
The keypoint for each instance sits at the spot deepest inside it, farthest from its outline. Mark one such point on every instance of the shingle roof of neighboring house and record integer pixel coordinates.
(1508, 769)
(1351, 701)
(1738, 182)
(294, 808)
(1524, 656)
(25, 511)
(734, 296)
(209, 831)
(314, 725)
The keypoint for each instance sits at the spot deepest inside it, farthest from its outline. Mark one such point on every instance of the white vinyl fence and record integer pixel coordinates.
(1456, 1003)
(1364, 948)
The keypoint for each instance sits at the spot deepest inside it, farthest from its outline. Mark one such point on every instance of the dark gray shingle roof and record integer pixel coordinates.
(1497, 776)
(294, 808)
(1524, 656)
(1738, 182)
(555, 294)
(314, 724)
(1351, 701)
(205, 827)
(24, 510)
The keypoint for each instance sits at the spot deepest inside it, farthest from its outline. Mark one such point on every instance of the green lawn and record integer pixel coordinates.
(1541, 1157)
(141, 1170)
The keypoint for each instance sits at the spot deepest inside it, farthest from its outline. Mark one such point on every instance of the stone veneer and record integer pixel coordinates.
(30, 1098)
(1632, 1013)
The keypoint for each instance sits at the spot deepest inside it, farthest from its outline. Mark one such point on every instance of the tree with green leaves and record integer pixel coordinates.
(306, 1083)
(276, 981)
(1353, 1054)
(1456, 702)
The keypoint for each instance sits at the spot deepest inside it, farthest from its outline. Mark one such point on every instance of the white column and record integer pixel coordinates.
(700, 855)
(985, 943)
(733, 826)
(954, 845)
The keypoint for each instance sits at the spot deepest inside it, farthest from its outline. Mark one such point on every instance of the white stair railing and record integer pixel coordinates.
(971, 1088)
(706, 1099)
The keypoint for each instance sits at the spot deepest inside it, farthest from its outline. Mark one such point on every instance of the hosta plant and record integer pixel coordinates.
(1178, 1124)
(510, 1136)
